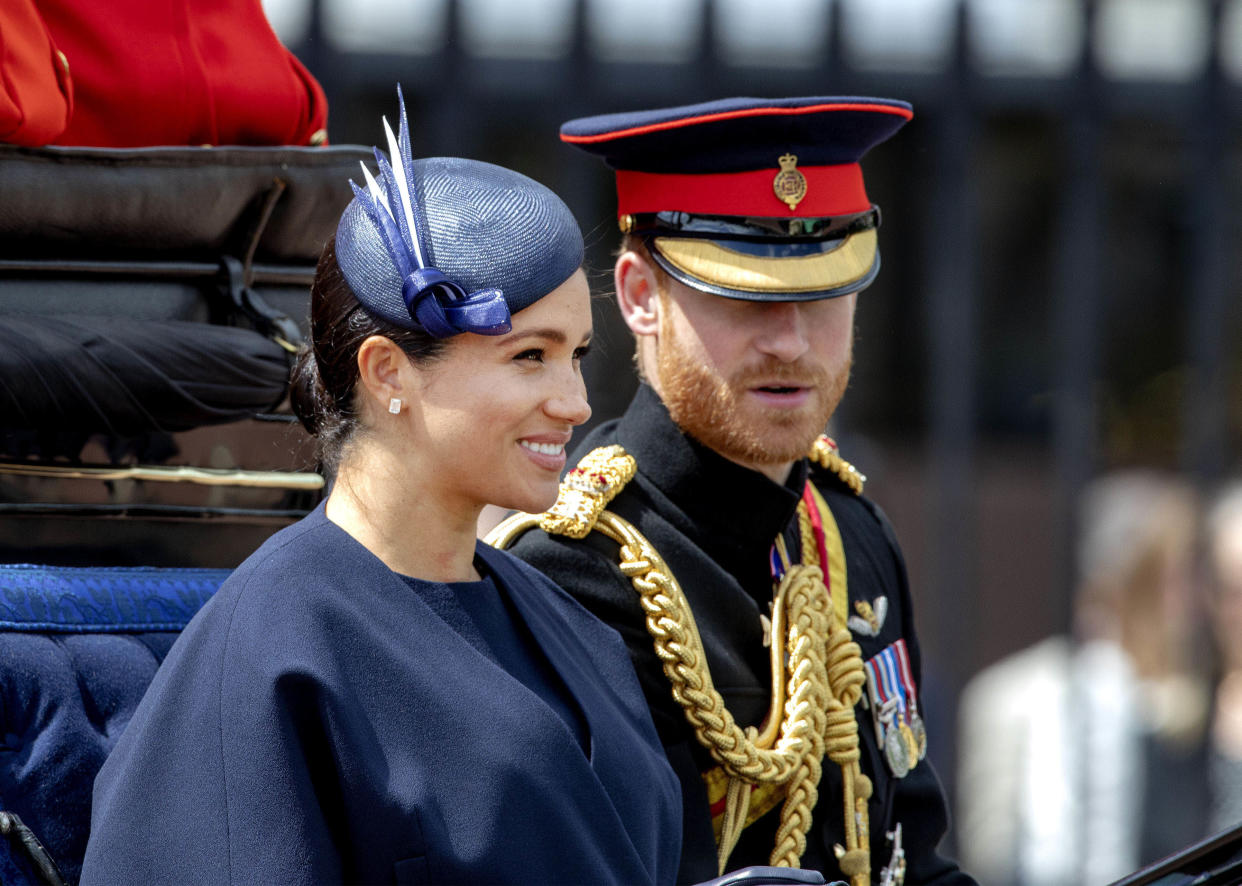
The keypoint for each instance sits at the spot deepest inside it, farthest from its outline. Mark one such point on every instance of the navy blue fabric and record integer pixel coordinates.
(482, 613)
(317, 722)
(78, 648)
(701, 144)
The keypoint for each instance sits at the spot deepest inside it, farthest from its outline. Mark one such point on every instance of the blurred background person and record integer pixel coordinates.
(1224, 534)
(1080, 757)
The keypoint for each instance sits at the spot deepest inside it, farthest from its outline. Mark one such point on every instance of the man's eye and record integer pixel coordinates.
(581, 352)
(535, 354)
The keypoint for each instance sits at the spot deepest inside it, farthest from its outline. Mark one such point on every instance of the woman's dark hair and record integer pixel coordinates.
(324, 382)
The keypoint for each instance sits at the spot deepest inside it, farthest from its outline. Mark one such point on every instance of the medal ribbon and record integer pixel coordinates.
(892, 678)
(879, 688)
(906, 675)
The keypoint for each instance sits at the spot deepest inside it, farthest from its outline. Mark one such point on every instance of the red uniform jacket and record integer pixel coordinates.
(129, 73)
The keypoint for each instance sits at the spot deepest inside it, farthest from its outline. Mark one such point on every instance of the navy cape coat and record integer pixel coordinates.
(317, 722)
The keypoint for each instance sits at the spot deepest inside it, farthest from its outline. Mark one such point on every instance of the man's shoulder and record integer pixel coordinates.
(842, 484)
(844, 501)
(568, 546)
(603, 434)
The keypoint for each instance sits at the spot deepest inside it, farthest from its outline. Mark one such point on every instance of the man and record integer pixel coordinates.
(748, 236)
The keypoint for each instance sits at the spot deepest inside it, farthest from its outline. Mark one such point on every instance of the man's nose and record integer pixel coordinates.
(782, 331)
(569, 404)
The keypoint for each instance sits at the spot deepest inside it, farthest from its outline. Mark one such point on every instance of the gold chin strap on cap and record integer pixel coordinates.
(817, 671)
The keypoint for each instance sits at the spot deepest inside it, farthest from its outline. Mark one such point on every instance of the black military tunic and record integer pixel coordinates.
(714, 523)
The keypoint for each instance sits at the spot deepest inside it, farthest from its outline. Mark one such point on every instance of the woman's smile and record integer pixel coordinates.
(549, 455)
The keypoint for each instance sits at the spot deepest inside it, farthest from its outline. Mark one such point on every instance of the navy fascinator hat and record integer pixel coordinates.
(448, 245)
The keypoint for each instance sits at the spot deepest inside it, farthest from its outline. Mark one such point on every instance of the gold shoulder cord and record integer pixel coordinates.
(817, 672)
(824, 453)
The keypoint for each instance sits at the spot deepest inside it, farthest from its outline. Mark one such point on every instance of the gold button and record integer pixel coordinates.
(318, 137)
(626, 223)
(64, 62)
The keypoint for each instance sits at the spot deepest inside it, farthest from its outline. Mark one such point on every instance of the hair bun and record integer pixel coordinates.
(309, 398)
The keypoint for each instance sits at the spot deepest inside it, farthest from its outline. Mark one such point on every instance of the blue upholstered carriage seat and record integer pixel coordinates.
(78, 647)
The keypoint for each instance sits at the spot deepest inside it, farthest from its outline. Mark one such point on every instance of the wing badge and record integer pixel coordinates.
(870, 618)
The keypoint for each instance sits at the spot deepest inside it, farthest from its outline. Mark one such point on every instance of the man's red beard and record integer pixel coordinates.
(719, 413)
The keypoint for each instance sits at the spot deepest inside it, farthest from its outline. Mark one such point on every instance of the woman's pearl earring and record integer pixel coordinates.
(394, 405)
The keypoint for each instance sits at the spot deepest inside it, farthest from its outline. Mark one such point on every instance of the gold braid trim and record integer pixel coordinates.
(846, 678)
(824, 453)
(587, 489)
(814, 706)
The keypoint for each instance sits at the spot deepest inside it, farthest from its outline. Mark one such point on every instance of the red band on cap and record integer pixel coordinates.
(830, 190)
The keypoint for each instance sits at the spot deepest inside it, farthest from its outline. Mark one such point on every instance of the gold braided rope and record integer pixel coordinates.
(846, 678)
(808, 674)
(815, 710)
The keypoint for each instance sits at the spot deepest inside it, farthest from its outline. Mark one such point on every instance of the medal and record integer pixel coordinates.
(912, 700)
(896, 752)
(912, 746)
(920, 734)
(899, 729)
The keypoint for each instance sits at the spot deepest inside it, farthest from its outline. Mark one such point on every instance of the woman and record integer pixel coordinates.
(373, 696)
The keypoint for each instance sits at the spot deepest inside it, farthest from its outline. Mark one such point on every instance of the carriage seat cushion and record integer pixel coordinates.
(78, 647)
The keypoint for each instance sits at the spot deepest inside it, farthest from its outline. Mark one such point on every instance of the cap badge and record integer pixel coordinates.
(789, 184)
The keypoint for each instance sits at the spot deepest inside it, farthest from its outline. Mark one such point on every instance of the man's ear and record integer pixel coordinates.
(637, 293)
(380, 365)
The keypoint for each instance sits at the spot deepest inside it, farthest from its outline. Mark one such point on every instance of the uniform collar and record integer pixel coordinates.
(736, 513)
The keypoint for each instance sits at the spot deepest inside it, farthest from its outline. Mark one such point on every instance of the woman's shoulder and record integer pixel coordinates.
(294, 581)
(308, 544)
(312, 553)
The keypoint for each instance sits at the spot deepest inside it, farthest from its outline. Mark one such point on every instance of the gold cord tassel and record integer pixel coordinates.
(808, 687)
(846, 678)
(737, 805)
